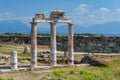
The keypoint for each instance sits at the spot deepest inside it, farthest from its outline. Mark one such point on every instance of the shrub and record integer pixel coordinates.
(57, 73)
(72, 71)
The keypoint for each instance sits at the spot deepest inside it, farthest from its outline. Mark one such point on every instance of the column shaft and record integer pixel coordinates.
(70, 45)
(14, 60)
(33, 44)
(53, 44)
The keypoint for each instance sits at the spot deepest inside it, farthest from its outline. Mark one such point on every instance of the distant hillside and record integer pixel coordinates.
(107, 28)
(111, 28)
(13, 26)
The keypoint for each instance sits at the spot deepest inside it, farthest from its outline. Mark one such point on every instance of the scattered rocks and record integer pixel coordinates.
(2, 63)
(2, 60)
(1, 45)
(45, 54)
(94, 62)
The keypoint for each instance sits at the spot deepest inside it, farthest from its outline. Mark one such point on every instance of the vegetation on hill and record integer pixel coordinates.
(43, 34)
(15, 34)
(87, 34)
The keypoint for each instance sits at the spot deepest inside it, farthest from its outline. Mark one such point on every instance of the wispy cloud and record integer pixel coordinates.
(118, 10)
(104, 10)
(25, 19)
(7, 16)
(86, 15)
(82, 8)
(10, 16)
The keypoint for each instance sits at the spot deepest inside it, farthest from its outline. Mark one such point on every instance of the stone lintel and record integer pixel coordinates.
(53, 20)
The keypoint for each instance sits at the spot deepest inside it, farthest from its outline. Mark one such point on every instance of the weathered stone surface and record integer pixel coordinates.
(26, 50)
(39, 16)
(57, 14)
(1, 45)
(81, 43)
(2, 60)
(14, 60)
(53, 45)
(94, 62)
(33, 44)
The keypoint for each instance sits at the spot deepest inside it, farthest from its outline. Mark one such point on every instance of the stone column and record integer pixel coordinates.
(33, 44)
(14, 60)
(70, 45)
(53, 44)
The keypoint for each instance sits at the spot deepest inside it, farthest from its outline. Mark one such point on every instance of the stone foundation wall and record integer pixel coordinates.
(81, 43)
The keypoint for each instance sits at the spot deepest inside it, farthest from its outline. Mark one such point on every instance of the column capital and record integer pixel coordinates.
(70, 23)
(52, 23)
(33, 21)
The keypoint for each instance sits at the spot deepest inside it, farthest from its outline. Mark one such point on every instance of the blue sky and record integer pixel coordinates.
(82, 12)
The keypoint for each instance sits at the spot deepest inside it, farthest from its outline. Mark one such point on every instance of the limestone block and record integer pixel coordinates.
(26, 50)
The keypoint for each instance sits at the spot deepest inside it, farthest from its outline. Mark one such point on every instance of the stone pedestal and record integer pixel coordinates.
(14, 60)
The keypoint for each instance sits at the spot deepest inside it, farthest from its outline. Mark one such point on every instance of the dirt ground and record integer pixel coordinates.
(38, 75)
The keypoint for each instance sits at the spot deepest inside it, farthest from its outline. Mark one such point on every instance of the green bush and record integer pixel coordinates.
(57, 73)
(72, 71)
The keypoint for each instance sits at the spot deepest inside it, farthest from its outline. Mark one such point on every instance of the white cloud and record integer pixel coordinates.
(92, 16)
(82, 8)
(83, 5)
(26, 20)
(10, 16)
(7, 16)
(86, 15)
(104, 10)
(118, 10)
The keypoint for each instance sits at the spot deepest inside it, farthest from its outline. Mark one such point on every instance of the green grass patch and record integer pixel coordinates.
(57, 73)
(6, 49)
(116, 62)
(72, 71)
(10, 78)
(1, 78)
(24, 55)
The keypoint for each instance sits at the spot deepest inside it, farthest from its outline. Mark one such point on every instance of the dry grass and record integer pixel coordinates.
(110, 72)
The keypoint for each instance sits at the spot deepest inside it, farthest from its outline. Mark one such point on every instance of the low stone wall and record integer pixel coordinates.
(81, 43)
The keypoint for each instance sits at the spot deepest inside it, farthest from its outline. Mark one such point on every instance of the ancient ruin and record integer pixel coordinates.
(55, 17)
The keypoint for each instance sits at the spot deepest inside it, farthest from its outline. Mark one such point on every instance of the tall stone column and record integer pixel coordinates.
(70, 44)
(53, 44)
(14, 60)
(33, 44)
